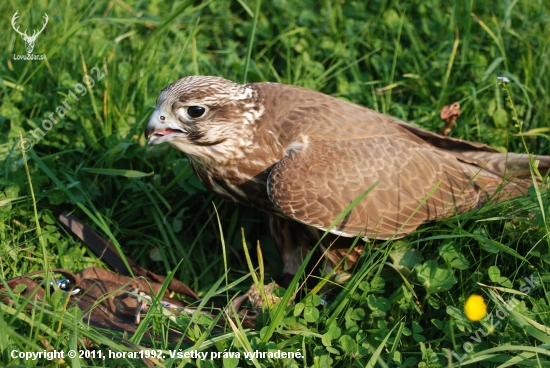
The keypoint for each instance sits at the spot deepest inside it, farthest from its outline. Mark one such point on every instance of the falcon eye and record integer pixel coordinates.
(196, 111)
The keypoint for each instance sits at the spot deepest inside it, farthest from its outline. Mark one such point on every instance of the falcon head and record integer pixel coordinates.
(198, 115)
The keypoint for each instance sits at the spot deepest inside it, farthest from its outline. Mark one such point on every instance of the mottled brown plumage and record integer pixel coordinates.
(303, 157)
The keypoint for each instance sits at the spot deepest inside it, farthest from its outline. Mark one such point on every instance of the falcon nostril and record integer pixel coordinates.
(162, 118)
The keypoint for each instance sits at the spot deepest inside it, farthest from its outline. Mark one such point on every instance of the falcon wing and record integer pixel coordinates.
(320, 178)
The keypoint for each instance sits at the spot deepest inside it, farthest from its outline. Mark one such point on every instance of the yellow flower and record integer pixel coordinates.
(475, 307)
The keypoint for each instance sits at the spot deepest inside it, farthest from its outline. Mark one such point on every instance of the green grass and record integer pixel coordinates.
(402, 305)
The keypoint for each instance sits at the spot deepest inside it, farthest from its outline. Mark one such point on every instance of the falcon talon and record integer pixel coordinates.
(303, 157)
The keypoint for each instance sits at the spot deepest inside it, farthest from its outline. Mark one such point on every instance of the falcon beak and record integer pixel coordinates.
(162, 127)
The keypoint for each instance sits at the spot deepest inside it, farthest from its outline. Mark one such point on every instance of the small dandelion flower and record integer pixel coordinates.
(503, 79)
(475, 307)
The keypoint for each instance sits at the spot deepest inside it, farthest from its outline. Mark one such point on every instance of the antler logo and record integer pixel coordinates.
(29, 40)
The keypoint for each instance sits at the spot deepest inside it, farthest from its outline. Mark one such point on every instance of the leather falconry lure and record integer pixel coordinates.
(303, 157)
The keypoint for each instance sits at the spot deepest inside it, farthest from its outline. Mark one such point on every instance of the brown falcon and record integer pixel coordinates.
(303, 157)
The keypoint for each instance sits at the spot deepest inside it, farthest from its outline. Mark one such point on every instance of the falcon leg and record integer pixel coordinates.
(294, 241)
